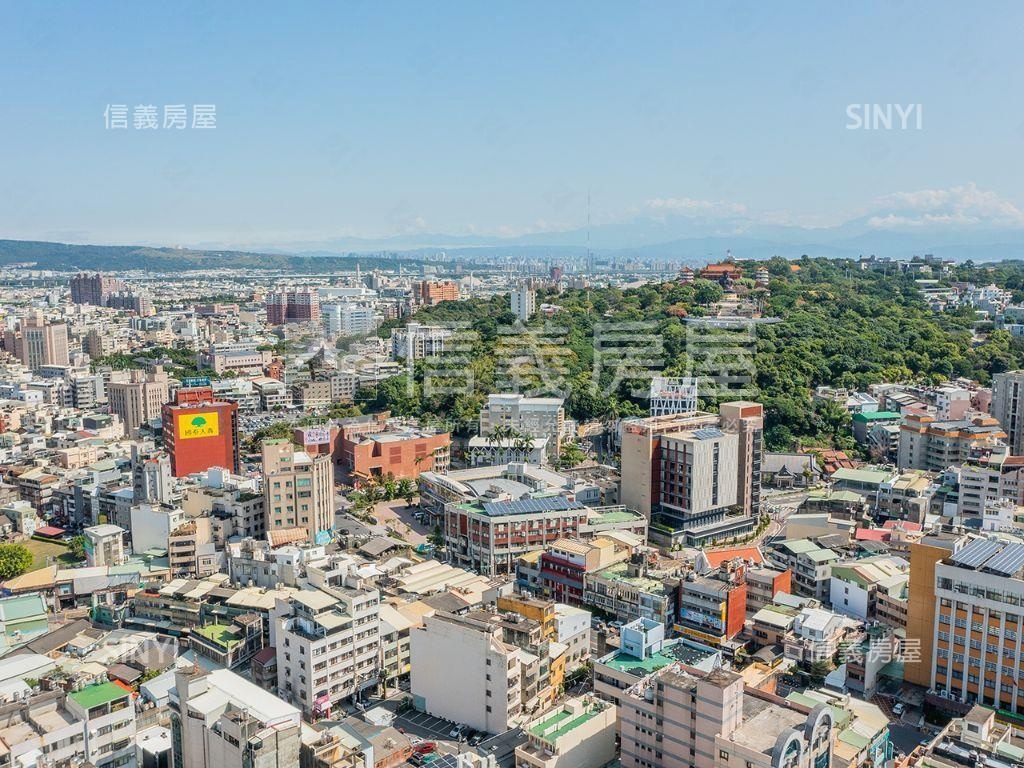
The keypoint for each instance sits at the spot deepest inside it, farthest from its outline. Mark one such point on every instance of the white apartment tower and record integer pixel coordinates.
(486, 672)
(328, 646)
(220, 719)
(523, 300)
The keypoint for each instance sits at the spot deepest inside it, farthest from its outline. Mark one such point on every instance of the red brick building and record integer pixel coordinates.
(293, 306)
(400, 452)
(429, 292)
(200, 432)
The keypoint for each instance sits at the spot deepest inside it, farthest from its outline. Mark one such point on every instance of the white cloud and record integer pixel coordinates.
(957, 206)
(687, 206)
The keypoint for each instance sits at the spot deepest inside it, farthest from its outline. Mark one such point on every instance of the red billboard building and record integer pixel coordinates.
(200, 432)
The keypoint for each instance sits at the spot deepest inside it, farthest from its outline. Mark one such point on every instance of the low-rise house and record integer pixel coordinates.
(789, 470)
(488, 451)
(810, 564)
(713, 609)
(817, 635)
(865, 480)
(229, 645)
(563, 566)
(844, 505)
(335, 745)
(763, 584)
(865, 421)
(23, 618)
(629, 591)
(868, 655)
(907, 496)
(40, 727)
(977, 738)
(855, 585)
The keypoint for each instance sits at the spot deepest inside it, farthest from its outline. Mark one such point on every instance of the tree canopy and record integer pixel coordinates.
(839, 326)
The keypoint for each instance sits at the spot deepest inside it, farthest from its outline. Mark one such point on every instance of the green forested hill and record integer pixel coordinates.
(118, 258)
(839, 326)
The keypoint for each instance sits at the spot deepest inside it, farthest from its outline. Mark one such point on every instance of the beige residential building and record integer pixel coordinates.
(138, 397)
(104, 545)
(191, 551)
(298, 489)
(932, 445)
(36, 341)
(490, 672)
(680, 718)
(995, 475)
(328, 646)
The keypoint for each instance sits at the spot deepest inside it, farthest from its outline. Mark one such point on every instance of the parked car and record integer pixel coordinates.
(456, 732)
(899, 709)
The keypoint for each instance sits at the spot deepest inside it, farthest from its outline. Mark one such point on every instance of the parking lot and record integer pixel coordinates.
(425, 726)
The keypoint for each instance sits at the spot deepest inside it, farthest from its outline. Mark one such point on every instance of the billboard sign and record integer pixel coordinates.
(700, 618)
(193, 425)
(316, 436)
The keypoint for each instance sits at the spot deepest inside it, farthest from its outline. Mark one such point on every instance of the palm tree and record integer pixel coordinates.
(500, 434)
(523, 444)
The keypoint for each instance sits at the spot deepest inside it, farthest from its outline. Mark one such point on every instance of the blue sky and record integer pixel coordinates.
(375, 118)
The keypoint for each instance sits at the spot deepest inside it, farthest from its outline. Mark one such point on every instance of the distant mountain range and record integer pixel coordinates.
(125, 258)
(664, 237)
(684, 236)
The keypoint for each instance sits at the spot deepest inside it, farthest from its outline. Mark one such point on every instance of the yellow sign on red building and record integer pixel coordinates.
(192, 425)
